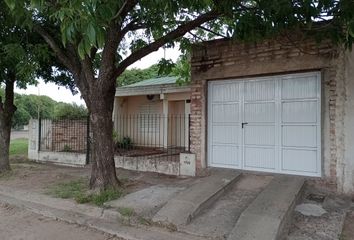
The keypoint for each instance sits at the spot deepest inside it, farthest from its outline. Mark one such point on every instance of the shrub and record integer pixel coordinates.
(126, 143)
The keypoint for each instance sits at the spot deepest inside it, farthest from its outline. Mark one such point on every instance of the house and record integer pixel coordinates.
(280, 106)
(153, 113)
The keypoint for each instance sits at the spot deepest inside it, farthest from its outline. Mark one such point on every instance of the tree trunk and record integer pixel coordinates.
(7, 110)
(103, 175)
(5, 131)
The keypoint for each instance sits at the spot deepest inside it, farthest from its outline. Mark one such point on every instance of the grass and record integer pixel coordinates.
(78, 190)
(19, 147)
(126, 212)
(144, 221)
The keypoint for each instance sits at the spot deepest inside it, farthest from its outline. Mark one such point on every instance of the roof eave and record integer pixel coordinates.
(149, 90)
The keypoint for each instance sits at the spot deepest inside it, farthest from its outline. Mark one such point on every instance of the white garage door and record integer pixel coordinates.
(269, 124)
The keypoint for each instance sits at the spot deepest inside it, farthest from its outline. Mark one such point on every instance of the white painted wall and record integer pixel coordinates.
(346, 170)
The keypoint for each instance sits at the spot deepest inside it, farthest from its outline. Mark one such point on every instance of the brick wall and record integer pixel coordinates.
(222, 59)
(69, 135)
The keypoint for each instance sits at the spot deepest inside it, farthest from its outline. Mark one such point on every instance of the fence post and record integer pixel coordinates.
(189, 133)
(39, 132)
(88, 141)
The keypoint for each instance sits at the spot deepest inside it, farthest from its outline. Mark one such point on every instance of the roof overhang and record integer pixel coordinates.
(149, 90)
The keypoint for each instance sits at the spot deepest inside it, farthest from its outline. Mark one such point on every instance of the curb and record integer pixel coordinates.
(104, 220)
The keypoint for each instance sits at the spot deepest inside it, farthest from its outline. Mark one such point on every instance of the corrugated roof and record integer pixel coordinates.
(153, 81)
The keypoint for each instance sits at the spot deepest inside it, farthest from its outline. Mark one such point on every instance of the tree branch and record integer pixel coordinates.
(213, 32)
(127, 6)
(55, 47)
(174, 34)
(113, 39)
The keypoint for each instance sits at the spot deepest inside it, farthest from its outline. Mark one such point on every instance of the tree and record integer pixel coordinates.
(134, 75)
(23, 56)
(69, 111)
(97, 40)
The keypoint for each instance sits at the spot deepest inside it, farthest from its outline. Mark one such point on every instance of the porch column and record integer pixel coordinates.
(165, 122)
(187, 111)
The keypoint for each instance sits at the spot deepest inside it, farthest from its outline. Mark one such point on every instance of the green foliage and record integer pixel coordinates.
(78, 190)
(24, 55)
(30, 106)
(116, 137)
(164, 68)
(145, 221)
(126, 143)
(19, 147)
(72, 189)
(182, 69)
(69, 111)
(105, 196)
(67, 148)
(134, 75)
(85, 23)
(126, 212)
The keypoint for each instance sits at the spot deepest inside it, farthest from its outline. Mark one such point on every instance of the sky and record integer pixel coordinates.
(61, 94)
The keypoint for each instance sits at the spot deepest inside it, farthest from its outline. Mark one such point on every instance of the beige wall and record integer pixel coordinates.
(176, 123)
(224, 59)
(127, 121)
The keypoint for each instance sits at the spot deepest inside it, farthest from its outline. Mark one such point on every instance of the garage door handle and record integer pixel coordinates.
(243, 124)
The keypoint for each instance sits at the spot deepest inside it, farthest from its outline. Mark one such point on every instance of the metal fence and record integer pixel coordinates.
(140, 135)
(151, 134)
(64, 135)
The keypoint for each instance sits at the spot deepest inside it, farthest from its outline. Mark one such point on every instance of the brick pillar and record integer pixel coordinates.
(197, 128)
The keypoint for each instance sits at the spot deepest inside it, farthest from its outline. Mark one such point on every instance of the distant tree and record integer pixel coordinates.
(134, 75)
(21, 117)
(42, 106)
(69, 111)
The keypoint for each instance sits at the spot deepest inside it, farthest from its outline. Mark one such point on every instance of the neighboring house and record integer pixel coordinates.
(153, 113)
(280, 106)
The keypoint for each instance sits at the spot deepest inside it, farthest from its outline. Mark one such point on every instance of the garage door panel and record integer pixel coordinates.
(260, 158)
(299, 136)
(225, 134)
(299, 88)
(298, 160)
(299, 112)
(259, 135)
(259, 90)
(225, 92)
(282, 124)
(225, 155)
(259, 112)
(225, 113)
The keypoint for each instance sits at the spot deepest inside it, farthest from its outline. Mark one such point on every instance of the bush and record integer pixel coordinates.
(67, 148)
(125, 143)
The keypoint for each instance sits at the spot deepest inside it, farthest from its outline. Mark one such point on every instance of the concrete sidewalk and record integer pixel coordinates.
(105, 220)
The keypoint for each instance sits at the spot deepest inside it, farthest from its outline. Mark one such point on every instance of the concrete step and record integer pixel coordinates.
(190, 202)
(269, 215)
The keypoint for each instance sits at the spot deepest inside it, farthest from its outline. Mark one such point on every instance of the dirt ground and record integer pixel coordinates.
(348, 229)
(330, 224)
(39, 177)
(20, 224)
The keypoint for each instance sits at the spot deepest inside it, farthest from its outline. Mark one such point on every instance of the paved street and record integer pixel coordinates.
(19, 134)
